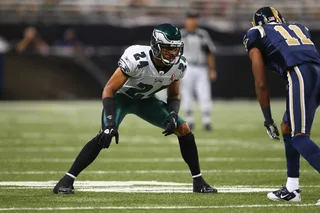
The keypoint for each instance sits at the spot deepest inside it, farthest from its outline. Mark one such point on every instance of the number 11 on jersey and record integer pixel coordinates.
(291, 41)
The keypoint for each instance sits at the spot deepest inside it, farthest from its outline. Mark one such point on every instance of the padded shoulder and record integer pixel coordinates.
(127, 63)
(253, 37)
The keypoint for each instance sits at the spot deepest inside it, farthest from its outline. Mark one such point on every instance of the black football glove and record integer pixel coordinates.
(170, 123)
(106, 134)
(272, 130)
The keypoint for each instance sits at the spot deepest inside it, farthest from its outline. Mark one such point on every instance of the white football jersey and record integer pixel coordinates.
(144, 79)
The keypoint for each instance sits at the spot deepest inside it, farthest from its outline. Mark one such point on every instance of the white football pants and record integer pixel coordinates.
(196, 82)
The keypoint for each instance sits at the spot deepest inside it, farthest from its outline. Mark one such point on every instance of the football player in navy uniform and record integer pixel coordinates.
(144, 70)
(288, 50)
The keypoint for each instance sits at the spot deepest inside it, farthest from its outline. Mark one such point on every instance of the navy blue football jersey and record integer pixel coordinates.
(283, 46)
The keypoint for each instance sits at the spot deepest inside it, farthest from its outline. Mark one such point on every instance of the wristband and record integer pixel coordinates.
(267, 115)
(108, 107)
(173, 104)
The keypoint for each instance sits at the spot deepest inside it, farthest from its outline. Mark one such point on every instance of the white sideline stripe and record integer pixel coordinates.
(145, 160)
(153, 207)
(154, 171)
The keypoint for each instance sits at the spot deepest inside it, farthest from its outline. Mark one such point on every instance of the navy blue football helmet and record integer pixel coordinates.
(266, 15)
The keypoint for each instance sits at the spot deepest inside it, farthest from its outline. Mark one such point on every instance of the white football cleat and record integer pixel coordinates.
(318, 203)
(284, 195)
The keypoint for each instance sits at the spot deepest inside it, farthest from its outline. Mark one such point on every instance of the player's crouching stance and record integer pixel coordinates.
(143, 71)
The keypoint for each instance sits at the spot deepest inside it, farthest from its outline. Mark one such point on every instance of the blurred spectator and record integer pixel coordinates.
(4, 46)
(32, 42)
(70, 40)
(139, 3)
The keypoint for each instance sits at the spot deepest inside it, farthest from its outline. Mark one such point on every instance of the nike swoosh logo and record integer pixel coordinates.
(282, 197)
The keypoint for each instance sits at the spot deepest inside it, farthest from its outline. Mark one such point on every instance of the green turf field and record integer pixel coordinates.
(144, 172)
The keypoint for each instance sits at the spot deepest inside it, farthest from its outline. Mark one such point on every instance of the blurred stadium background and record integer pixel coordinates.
(73, 48)
(78, 42)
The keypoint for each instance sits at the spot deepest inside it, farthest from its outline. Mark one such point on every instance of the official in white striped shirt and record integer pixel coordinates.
(199, 50)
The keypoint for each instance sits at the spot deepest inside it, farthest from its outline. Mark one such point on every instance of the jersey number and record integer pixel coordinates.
(138, 56)
(135, 93)
(291, 41)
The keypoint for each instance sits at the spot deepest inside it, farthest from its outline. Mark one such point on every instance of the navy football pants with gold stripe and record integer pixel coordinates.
(303, 97)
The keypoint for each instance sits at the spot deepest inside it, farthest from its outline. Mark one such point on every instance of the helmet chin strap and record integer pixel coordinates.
(167, 62)
(163, 60)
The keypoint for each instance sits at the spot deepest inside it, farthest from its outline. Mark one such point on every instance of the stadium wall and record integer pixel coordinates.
(54, 77)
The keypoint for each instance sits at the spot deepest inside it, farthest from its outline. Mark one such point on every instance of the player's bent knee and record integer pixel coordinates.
(182, 130)
(285, 128)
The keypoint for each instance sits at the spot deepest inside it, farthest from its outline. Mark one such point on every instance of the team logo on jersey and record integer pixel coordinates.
(160, 80)
(126, 59)
(123, 66)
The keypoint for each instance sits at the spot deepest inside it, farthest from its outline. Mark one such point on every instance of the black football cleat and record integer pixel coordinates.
(200, 186)
(284, 195)
(64, 186)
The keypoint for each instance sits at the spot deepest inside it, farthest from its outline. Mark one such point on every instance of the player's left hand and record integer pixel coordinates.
(170, 123)
(212, 75)
(272, 130)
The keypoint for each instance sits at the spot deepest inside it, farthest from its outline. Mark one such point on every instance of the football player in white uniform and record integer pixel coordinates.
(143, 71)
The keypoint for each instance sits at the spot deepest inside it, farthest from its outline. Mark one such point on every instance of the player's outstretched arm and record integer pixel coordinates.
(173, 102)
(262, 91)
(110, 130)
(114, 84)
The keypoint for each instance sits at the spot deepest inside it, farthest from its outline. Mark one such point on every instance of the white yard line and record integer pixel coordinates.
(155, 171)
(152, 207)
(166, 189)
(130, 187)
(91, 183)
(145, 160)
(99, 184)
(140, 149)
(60, 138)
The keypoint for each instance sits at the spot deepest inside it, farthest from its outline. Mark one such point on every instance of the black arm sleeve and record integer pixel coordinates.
(173, 104)
(108, 107)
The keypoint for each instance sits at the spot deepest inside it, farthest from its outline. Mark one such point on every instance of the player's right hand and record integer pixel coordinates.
(170, 124)
(105, 136)
(272, 130)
